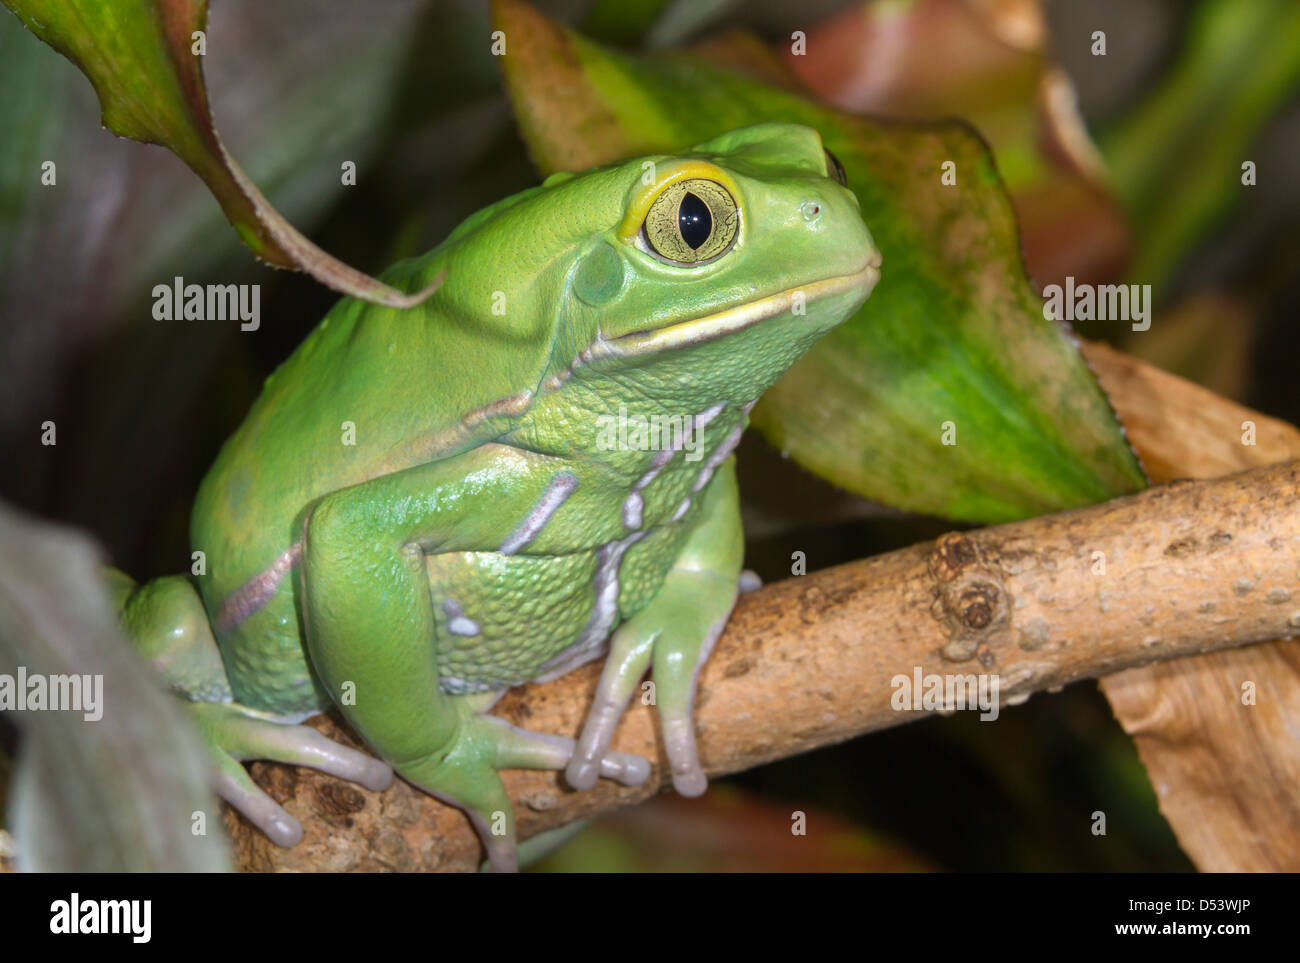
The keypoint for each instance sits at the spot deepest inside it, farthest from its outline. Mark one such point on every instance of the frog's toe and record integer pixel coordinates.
(304, 746)
(235, 734)
(630, 652)
(502, 851)
(590, 759)
(582, 774)
(623, 767)
(683, 760)
(465, 776)
(677, 662)
(246, 734)
(749, 581)
(520, 749)
(236, 786)
(629, 769)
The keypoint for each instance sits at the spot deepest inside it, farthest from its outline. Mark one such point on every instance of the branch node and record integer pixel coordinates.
(971, 598)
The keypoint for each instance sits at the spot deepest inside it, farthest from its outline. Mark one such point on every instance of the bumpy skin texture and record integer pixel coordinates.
(425, 507)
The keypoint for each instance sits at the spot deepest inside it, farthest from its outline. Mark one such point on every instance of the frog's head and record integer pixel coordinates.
(725, 265)
(703, 275)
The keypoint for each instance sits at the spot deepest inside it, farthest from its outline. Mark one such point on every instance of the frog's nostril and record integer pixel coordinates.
(811, 210)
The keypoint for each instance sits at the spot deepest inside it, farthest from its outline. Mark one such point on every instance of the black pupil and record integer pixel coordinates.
(694, 220)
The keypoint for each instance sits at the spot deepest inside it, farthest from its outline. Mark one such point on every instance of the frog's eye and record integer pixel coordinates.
(835, 170)
(692, 221)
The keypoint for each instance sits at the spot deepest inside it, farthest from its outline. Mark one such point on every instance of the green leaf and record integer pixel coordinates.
(954, 335)
(144, 60)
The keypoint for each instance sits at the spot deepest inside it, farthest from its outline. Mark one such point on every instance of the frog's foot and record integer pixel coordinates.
(676, 633)
(749, 581)
(521, 749)
(235, 733)
(466, 776)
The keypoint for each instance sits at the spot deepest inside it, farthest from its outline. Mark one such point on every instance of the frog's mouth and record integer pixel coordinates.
(711, 326)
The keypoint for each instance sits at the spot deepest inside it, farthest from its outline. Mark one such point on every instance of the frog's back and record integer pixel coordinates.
(368, 393)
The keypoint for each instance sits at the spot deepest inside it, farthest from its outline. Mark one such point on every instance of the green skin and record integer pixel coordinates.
(423, 507)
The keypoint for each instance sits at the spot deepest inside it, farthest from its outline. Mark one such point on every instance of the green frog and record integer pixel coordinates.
(531, 470)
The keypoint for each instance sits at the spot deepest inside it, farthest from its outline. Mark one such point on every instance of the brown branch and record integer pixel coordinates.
(810, 661)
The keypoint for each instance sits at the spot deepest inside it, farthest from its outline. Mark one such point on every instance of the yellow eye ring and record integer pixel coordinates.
(692, 221)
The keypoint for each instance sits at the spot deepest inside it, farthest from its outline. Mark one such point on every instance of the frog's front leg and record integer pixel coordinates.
(676, 631)
(370, 623)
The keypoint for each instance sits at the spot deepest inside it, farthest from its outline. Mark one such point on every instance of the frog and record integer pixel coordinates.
(531, 470)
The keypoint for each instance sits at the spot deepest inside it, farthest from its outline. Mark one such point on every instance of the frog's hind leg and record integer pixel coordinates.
(169, 626)
(370, 620)
(467, 776)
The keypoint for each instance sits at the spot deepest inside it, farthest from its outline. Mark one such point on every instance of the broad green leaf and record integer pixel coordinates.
(144, 60)
(953, 342)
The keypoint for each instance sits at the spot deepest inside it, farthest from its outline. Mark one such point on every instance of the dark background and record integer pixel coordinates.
(408, 91)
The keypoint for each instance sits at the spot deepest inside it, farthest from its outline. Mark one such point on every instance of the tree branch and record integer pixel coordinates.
(807, 662)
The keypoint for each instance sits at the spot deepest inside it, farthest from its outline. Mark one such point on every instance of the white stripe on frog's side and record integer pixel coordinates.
(561, 487)
(633, 510)
(707, 415)
(297, 718)
(458, 686)
(724, 450)
(251, 597)
(458, 623)
(594, 639)
(634, 506)
(718, 457)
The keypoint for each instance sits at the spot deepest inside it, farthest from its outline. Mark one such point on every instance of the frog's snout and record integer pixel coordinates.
(838, 220)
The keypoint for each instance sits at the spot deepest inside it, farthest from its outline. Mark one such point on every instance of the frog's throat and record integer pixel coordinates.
(699, 330)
